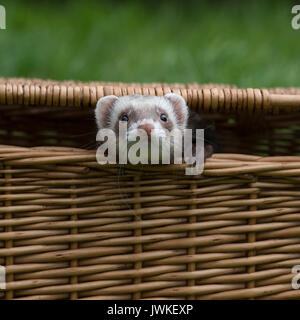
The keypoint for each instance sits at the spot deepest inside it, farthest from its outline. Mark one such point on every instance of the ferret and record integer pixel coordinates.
(148, 112)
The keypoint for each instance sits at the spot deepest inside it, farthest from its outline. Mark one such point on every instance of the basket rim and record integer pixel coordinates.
(200, 97)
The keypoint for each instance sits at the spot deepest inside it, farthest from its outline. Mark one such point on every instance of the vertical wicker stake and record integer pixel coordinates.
(191, 251)
(73, 246)
(252, 238)
(8, 243)
(137, 233)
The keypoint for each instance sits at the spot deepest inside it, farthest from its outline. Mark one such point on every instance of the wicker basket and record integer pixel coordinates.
(72, 229)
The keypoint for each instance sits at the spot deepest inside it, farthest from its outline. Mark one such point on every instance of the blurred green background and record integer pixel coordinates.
(247, 43)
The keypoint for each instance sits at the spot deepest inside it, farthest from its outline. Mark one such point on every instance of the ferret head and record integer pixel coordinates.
(142, 112)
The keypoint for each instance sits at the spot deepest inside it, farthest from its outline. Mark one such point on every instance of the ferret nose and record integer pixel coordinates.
(147, 127)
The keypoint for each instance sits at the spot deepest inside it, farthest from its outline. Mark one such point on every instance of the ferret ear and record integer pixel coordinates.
(180, 107)
(103, 110)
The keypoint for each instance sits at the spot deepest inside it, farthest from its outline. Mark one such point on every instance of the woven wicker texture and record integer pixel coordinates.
(72, 229)
(209, 97)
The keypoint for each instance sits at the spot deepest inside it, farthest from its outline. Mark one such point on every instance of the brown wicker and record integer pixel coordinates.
(72, 229)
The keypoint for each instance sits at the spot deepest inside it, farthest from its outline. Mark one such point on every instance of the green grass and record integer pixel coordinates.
(250, 44)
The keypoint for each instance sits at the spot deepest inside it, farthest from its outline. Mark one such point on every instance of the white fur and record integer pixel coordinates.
(138, 102)
(159, 131)
(135, 125)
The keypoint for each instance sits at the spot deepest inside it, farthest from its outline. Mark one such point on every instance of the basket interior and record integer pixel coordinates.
(245, 133)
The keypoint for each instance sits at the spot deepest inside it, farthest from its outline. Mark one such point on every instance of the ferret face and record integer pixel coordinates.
(159, 117)
(142, 112)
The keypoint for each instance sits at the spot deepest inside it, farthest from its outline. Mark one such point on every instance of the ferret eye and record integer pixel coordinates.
(125, 117)
(163, 117)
